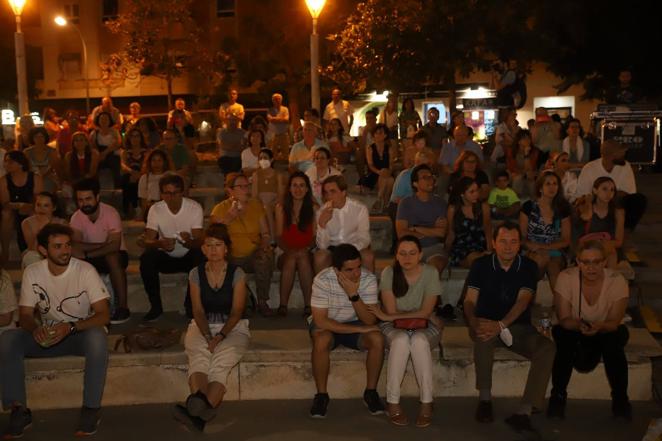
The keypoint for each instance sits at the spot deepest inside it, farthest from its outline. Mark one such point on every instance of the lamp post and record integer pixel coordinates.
(61, 21)
(315, 7)
(21, 72)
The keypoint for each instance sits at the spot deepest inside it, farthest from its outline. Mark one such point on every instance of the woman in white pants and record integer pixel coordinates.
(218, 335)
(410, 290)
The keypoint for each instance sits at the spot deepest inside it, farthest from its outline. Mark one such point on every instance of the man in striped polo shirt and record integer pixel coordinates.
(340, 316)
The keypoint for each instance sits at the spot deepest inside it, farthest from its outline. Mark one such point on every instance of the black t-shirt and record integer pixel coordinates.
(481, 179)
(498, 289)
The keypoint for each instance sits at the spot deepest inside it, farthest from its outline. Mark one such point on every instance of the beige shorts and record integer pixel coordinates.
(216, 366)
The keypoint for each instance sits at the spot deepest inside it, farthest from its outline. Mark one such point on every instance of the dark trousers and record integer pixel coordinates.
(113, 163)
(392, 211)
(635, 206)
(17, 344)
(154, 261)
(129, 193)
(229, 164)
(610, 346)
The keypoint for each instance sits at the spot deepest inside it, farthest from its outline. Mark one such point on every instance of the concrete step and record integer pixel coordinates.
(277, 366)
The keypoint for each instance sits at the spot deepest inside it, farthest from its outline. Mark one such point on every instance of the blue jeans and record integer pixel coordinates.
(16, 344)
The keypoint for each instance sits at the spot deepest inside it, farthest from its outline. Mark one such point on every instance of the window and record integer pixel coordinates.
(110, 10)
(72, 13)
(225, 8)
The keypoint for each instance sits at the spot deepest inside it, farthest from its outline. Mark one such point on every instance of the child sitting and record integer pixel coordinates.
(504, 202)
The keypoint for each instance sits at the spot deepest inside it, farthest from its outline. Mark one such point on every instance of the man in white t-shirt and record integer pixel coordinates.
(279, 127)
(98, 240)
(173, 236)
(339, 108)
(341, 220)
(612, 163)
(340, 299)
(72, 303)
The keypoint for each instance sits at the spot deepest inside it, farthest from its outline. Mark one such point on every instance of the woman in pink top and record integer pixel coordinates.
(590, 305)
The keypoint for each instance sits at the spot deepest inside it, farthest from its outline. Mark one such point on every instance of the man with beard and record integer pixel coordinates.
(612, 163)
(98, 239)
(72, 303)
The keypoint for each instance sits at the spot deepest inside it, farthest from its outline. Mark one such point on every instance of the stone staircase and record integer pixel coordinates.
(277, 364)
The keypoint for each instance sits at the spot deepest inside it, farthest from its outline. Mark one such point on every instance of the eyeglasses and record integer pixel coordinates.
(170, 193)
(427, 177)
(596, 262)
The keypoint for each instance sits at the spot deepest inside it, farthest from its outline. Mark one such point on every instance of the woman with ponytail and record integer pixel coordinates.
(410, 290)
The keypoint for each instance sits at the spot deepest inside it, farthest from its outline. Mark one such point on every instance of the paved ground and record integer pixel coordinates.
(348, 420)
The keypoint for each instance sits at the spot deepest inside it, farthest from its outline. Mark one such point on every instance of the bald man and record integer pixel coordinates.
(612, 163)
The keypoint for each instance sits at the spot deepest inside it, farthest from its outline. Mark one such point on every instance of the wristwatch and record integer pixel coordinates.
(72, 328)
(354, 298)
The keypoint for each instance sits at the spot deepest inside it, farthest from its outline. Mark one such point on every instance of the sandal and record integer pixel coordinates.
(282, 311)
(424, 418)
(307, 311)
(396, 416)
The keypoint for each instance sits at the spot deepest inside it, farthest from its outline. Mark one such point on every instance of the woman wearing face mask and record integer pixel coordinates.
(268, 185)
(45, 208)
(320, 171)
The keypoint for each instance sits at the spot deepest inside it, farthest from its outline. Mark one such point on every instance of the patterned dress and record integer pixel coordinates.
(469, 235)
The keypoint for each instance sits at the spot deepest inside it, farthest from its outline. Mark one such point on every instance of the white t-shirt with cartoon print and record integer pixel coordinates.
(64, 298)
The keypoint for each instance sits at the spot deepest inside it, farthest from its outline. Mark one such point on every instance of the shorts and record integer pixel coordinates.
(100, 264)
(436, 250)
(351, 341)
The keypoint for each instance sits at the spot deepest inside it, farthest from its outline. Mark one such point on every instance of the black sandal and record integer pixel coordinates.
(282, 311)
(306, 311)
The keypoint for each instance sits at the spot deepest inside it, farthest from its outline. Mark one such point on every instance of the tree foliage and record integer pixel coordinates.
(588, 42)
(403, 44)
(164, 39)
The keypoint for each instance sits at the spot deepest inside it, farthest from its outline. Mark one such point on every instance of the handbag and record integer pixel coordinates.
(410, 324)
(587, 356)
(599, 236)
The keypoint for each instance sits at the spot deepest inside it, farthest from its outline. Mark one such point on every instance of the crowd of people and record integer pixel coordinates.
(534, 206)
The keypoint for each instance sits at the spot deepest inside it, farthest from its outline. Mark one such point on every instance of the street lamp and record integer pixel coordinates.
(315, 7)
(19, 45)
(61, 21)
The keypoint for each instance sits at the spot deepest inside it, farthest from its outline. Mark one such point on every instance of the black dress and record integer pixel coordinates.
(370, 179)
(24, 194)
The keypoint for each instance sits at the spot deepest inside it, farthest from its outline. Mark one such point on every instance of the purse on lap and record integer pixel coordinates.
(410, 324)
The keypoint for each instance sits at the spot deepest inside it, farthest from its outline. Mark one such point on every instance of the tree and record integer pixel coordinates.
(588, 42)
(404, 44)
(273, 53)
(165, 40)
